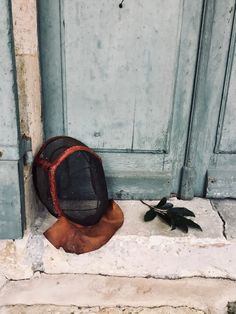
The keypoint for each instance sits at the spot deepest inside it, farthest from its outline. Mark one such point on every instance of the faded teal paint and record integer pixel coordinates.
(138, 185)
(211, 102)
(11, 178)
(154, 93)
(221, 183)
(147, 106)
(226, 139)
(51, 63)
(120, 85)
(223, 163)
(11, 215)
(188, 170)
(121, 81)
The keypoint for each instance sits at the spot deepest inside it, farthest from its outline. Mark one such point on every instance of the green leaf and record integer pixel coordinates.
(161, 203)
(193, 224)
(183, 223)
(164, 217)
(182, 211)
(178, 222)
(167, 206)
(173, 216)
(150, 215)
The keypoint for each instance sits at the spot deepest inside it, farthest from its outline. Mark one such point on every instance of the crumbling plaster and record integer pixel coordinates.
(24, 17)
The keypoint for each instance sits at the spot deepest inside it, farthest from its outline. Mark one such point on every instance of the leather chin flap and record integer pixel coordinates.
(78, 239)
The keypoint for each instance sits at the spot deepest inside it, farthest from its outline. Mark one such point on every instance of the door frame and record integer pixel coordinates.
(167, 180)
(202, 174)
(12, 209)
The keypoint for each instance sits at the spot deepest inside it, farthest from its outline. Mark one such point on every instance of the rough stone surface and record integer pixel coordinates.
(14, 261)
(49, 309)
(231, 308)
(24, 14)
(137, 249)
(105, 291)
(160, 257)
(134, 211)
(134, 225)
(25, 21)
(227, 210)
(207, 218)
(3, 281)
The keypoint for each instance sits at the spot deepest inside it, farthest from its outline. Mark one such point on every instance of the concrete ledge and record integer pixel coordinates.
(151, 249)
(227, 210)
(3, 281)
(93, 290)
(155, 256)
(49, 309)
(137, 250)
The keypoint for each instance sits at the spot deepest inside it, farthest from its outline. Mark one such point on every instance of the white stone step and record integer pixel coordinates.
(196, 294)
(138, 249)
(70, 309)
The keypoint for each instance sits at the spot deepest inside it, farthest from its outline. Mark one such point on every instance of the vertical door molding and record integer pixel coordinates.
(212, 72)
(225, 93)
(11, 166)
(51, 42)
(121, 81)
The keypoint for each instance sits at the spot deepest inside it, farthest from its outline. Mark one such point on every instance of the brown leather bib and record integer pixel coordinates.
(75, 238)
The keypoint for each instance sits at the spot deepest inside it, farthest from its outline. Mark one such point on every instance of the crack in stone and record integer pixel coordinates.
(37, 274)
(223, 221)
(5, 283)
(202, 311)
(140, 308)
(221, 218)
(123, 308)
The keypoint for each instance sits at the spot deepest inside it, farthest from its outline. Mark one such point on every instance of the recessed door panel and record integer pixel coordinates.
(228, 138)
(11, 170)
(119, 71)
(124, 86)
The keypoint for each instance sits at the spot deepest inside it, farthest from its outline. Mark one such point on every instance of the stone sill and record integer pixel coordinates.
(138, 249)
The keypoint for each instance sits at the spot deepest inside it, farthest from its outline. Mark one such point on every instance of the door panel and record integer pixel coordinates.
(221, 179)
(124, 61)
(11, 200)
(11, 173)
(210, 157)
(121, 80)
(227, 142)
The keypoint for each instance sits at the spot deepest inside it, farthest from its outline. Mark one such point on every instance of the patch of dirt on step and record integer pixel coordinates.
(52, 309)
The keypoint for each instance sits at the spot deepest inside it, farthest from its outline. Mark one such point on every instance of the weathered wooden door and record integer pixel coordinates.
(210, 165)
(121, 80)
(11, 173)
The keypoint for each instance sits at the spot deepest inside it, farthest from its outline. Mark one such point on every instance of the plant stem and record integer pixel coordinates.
(157, 210)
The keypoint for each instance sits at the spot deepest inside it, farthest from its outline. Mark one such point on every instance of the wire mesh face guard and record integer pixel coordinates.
(70, 181)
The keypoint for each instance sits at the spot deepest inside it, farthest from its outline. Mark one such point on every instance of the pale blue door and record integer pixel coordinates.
(11, 170)
(211, 151)
(151, 87)
(121, 80)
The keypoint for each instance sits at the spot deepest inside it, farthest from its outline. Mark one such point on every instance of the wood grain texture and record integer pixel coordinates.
(138, 185)
(127, 78)
(119, 71)
(228, 139)
(11, 187)
(210, 79)
(221, 183)
(7, 82)
(11, 201)
(51, 62)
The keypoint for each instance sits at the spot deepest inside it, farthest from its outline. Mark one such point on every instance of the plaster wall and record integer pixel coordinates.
(24, 15)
